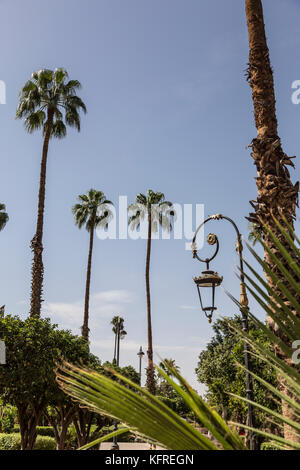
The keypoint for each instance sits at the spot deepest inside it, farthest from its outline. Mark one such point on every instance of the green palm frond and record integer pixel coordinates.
(92, 210)
(287, 317)
(143, 413)
(46, 91)
(154, 204)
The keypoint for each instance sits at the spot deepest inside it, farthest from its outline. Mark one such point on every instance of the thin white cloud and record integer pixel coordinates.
(103, 304)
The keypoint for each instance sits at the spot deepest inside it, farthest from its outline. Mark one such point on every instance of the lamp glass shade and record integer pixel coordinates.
(206, 285)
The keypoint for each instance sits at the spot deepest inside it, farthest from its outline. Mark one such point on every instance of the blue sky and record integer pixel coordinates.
(168, 109)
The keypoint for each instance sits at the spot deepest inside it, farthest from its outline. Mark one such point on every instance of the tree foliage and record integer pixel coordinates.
(34, 348)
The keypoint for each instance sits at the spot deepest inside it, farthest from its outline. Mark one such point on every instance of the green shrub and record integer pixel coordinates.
(10, 441)
(71, 438)
(13, 442)
(45, 431)
(8, 418)
(45, 443)
(41, 430)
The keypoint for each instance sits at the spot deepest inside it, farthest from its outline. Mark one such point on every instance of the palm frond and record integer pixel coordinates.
(48, 90)
(142, 412)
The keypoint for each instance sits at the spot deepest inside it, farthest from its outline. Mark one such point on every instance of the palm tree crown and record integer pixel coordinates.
(92, 210)
(50, 91)
(3, 216)
(154, 205)
(118, 322)
(167, 365)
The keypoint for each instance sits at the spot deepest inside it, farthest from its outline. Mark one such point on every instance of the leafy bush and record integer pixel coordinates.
(10, 441)
(8, 414)
(41, 430)
(45, 431)
(13, 442)
(45, 443)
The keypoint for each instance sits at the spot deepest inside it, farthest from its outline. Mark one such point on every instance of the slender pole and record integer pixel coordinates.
(140, 370)
(244, 314)
(115, 445)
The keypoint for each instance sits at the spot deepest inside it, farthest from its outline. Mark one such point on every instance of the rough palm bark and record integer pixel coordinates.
(37, 241)
(276, 194)
(85, 328)
(150, 369)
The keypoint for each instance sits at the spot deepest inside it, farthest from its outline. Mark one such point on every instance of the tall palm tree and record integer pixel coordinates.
(49, 102)
(277, 194)
(118, 325)
(157, 211)
(3, 216)
(92, 211)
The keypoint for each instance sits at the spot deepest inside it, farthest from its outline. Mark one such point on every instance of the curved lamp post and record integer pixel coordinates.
(211, 279)
(140, 354)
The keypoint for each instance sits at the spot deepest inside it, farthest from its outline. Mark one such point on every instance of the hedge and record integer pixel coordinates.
(13, 442)
(40, 430)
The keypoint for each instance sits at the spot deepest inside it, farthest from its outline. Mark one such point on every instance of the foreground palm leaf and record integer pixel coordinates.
(283, 314)
(144, 414)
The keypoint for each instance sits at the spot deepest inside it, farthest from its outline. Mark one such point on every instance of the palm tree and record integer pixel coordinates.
(3, 216)
(118, 326)
(167, 365)
(156, 210)
(277, 195)
(48, 102)
(92, 211)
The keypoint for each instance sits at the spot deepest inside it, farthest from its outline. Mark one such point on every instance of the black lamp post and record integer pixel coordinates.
(211, 279)
(140, 354)
(115, 445)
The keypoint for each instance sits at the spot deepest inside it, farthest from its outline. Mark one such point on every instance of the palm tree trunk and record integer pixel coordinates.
(276, 192)
(37, 241)
(115, 349)
(85, 327)
(150, 369)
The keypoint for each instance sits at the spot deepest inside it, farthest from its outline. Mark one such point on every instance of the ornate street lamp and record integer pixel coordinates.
(210, 280)
(140, 354)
